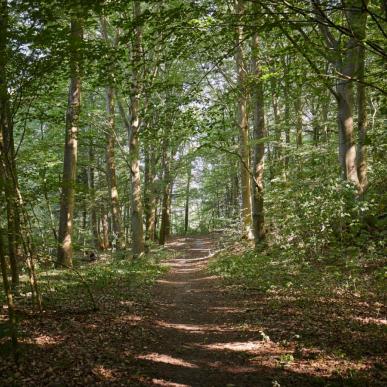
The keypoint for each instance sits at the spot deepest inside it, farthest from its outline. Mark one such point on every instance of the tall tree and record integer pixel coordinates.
(8, 167)
(134, 146)
(242, 120)
(258, 140)
(345, 62)
(110, 135)
(65, 247)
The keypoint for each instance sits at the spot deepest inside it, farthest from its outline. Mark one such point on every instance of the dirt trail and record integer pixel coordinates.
(197, 336)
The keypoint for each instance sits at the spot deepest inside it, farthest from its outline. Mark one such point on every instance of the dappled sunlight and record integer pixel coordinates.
(166, 282)
(248, 346)
(103, 373)
(46, 340)
(370, 320)
(128, 318)
(161, 382)
(227, 309)
(162, 358)
(196, 328)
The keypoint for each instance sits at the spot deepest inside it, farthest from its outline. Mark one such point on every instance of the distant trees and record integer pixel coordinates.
(247, 93)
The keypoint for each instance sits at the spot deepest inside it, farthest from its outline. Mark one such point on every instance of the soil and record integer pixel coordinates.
(194, 331)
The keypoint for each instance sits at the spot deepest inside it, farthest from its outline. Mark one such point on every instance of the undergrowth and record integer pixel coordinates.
(111, 278)
(339, 271)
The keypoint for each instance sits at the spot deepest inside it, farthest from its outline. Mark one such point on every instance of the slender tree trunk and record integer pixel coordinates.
(287, 114)
(8, 152)
(165, 206)
(187, 197)
(259, 146)
(242, 120)
(298, 110)
(150, 194)
(134, 146)
(93, 207)
(65, 248)
(362, 110)
(111, 168)
(9, 297)
(105, 229)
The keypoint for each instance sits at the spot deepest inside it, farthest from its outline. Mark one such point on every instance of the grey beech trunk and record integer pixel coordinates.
(362, 113)
(65, 248)
(187, 197)
(134, 146)
(150, 194)
(259, 147)
(110, 136)
(165, 205)
(242, 122)
(93, 207)
(111, 168)
(346, 63)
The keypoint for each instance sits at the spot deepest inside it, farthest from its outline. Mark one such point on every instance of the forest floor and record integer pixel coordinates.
(195, 329)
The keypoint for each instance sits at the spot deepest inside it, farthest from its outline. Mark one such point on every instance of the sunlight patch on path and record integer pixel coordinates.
(161, 382)
(161, 358)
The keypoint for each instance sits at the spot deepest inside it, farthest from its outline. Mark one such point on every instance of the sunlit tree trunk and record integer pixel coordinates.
(65, 248)
(345, 63)
(134, 146)
(110, 151)
(259, 147)
(91, 186)
(187, 197)
(150, 194)
(111, 168)
(165, 205)
(362, 110)
(242, 121)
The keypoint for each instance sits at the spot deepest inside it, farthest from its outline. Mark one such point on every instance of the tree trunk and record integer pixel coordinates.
(242, 121)
(298, 111)
(150, 194)
(111, 168)
(134, 146)
(187, 197)
(65, 248)
(165, 206)
(105, 230)
(8, 153)
(93, 209)
(9, 297)
(259, 146)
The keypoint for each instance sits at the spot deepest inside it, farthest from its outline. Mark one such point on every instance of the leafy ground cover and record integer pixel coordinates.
(115, 282)
(328, 311)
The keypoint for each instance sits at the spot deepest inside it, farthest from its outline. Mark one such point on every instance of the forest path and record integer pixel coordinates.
(196, 334)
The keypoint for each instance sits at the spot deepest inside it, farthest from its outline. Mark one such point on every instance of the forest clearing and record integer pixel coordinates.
(193, 193)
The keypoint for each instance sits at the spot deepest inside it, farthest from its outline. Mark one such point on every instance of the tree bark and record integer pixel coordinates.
(242, 122)
(259, 146)
(93, 207)
(165, 206)
(9, 297)
(150, 194)
(187, 197)
(8, 152)
(134, 146)
(111, 168)
(65, 248)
